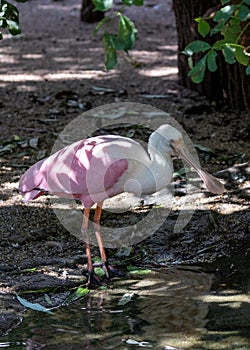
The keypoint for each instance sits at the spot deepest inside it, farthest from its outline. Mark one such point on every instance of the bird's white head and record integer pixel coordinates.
(164, 138)
(167, 139)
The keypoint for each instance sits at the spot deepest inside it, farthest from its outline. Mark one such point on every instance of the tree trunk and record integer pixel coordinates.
(229, 84)
(88, 15)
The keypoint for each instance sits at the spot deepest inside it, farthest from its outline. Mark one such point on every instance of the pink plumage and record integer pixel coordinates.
(77, 171)
(100, 167)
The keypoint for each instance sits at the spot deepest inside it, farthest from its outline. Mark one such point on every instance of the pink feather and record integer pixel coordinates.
(75, 172)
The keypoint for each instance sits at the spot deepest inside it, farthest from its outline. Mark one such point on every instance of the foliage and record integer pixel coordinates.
(231, 21)
(126, 35)
(9, 17)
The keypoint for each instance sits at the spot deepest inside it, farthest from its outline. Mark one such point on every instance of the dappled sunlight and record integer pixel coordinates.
(160, 72)
(230, 298)
(88, 74)
(173, 48)
(63, 8)
(8, 59)
(32, 56)
(20, 77)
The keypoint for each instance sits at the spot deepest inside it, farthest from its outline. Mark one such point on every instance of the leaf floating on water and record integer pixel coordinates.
(33, 306)
(77, 294)
(126, 298)
(80, 292)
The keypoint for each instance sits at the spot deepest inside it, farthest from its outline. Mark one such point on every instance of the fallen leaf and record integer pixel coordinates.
(33, 306)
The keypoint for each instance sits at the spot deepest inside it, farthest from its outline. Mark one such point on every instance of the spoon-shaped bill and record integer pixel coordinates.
(212, 184)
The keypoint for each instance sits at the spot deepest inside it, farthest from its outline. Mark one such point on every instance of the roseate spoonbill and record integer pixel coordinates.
(96, 168)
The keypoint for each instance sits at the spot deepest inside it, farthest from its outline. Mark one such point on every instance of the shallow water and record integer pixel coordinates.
(175, 308)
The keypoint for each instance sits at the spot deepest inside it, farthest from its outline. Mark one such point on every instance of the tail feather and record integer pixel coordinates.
(32, 195)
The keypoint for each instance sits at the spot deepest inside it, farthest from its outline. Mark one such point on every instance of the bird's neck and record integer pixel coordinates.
(161, 167)
(160, 161)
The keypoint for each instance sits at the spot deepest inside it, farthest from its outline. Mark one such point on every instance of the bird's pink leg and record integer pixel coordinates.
(87, 245)
(97, 218)
(105, 265)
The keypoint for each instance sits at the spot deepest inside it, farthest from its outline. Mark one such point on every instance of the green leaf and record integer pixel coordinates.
(224, 13)
(203, 27)
(217, 28)
(1, 35)
(81, 292)
(3, 23)
(99, 271)
(248, 70)
(78, 293)
(100, 25)
(234, 25)
(109, 41)
(110, 58)
(13, 27)
(38, 291)
(32, 269)
(11, 18)
(218, 45)
(241, 57)
(128, 2)
(138, 2)
(211, 61)
(127, 34)
(231, 30)
(197, 73)
(103, 5)
(228, 35)
(244, 12)
(10, 11)
(138, 271)
(225, 2)
(196, 46)
(229, 53)
(190, 62)
(246, 2)
(35, 306)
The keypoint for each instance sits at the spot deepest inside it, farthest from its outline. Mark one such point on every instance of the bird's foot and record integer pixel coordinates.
(115, 271)
(103, 269)
(93, 280)
(107, 270)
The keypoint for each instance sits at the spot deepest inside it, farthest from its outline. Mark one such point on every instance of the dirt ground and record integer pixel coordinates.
(48, 76)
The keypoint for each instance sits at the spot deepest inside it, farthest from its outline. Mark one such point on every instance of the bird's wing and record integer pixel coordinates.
(86, 169)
